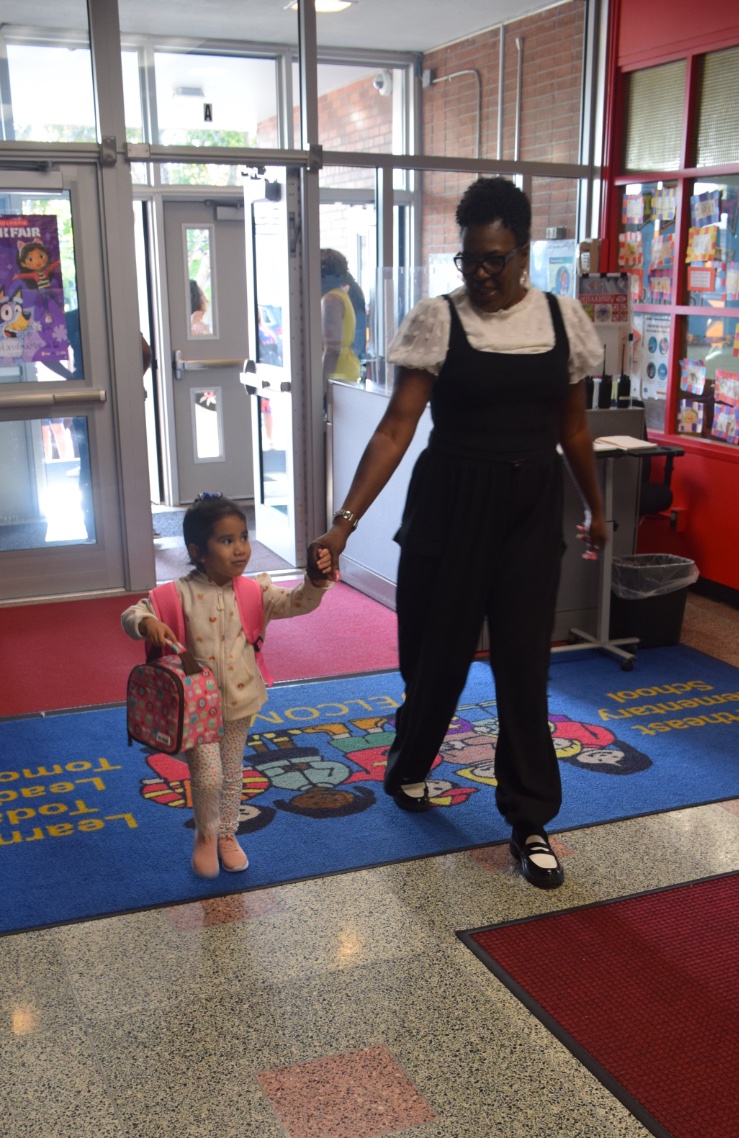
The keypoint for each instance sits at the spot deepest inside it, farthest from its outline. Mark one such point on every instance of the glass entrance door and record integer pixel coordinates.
(60, 528)
(273, 375)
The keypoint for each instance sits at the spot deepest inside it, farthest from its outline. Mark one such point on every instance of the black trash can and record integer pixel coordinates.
(648, 597)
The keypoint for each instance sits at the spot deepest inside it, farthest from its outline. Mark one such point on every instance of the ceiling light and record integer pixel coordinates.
(325, 6)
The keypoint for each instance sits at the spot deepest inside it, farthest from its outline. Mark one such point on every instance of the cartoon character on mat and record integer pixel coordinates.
(595, 748)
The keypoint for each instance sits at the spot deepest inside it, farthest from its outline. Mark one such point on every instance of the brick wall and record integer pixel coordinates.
(357, 117)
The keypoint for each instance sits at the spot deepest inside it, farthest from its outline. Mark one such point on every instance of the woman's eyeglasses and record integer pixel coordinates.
(490, 265)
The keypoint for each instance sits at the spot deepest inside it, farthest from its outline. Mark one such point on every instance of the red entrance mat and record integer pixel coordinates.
(644, 992)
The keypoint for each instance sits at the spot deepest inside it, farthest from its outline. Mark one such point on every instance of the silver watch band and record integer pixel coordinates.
(348, 516)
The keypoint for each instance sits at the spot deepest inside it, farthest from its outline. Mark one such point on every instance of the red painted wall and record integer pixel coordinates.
(706, 479)
(651, 30)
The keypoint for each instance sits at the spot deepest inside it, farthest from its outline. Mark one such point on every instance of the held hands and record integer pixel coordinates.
(158, 633)
(320, 565)
(323, 555)
(594, 533)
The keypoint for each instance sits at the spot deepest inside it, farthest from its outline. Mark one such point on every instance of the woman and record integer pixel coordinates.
(338, 320)
(502, 365)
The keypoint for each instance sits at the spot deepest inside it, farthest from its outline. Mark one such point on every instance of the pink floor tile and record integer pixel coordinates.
(360, 1094)
(732, 806)
(499, 859)
(224, 910)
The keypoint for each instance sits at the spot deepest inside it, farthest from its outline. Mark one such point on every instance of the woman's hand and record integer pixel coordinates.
(324, 553)
(594, 532)
(320, 565)
(158, 633)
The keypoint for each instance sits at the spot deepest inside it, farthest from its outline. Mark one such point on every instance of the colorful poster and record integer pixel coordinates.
(664, 203)
(630, 250)
(693, 376)
(632, 209)
(726, 387)
(653, 357)
(705, 209)
(605, 298)
(690, 417)
(702, 243)
(32, 324)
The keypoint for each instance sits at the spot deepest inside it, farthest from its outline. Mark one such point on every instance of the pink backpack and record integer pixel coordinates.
(173, 703)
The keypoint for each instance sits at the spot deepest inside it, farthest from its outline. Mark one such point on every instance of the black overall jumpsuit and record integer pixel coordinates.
(481, 536)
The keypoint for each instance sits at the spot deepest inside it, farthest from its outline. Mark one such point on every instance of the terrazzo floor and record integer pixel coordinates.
(343, 1007)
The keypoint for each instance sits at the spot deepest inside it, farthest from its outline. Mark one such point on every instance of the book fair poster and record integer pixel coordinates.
(32, 324)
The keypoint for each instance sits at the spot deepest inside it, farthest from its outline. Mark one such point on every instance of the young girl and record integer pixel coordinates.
(217, 541)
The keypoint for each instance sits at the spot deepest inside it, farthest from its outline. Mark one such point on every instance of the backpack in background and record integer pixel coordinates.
(173, 703)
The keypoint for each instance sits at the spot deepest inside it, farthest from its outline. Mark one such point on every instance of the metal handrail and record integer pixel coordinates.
(52, 398)
(181, 365)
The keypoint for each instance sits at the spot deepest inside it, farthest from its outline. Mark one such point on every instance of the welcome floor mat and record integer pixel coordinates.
(644, 992)
(89, 826)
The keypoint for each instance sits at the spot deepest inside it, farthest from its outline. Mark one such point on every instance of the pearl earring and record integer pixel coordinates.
(525, 278)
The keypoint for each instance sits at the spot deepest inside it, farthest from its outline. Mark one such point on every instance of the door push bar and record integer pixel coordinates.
(52, 398)
(181, 365)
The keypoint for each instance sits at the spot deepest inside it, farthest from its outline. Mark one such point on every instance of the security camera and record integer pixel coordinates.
(383, 82)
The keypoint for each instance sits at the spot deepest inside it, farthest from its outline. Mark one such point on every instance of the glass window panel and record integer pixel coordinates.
(712, 273)
(461, 89)
(709, 379)
(38, 299)
(207, 424)
(213, 100)
(45, 483)
(718, 110)
(132, 96)
(654, 117)
(361, 108)
(646, 249)
(51, 95)
(352, 231)
(200, 274)
(241, 86)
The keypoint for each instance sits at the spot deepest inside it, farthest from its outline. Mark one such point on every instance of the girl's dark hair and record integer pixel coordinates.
(496, 199)
(202, 515)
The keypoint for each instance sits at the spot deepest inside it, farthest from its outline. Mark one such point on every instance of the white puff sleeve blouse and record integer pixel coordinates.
(422, 341)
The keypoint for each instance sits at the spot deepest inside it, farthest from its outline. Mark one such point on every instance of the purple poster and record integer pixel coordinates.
(32, 325)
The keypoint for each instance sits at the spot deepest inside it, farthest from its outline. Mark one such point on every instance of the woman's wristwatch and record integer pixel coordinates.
(348, 516)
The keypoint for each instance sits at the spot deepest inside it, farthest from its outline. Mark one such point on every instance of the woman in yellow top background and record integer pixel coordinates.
(338, 322)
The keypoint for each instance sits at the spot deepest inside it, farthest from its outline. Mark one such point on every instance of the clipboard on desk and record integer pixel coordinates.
(622, 442)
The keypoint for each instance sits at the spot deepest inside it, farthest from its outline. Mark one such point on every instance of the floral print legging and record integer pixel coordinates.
(215, 780)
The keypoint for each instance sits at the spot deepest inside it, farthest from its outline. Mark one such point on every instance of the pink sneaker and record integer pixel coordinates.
(233, 858)
(205, 855)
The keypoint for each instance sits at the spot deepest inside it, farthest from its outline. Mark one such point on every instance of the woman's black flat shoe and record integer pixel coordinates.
(411, 803)
(525, 848)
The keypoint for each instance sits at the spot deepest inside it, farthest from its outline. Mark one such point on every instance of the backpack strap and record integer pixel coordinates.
(168, 608)
(250, 603)
(165, 601)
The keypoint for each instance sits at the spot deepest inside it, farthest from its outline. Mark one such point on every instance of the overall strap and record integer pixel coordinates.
(250, 603)
(560, 335)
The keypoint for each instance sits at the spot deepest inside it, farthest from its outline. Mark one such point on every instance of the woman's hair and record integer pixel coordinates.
(198, 300)
(496, 199)
(333, 263)
(202, 515)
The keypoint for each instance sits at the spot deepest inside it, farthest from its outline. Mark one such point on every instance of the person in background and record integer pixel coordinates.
(217, 540)
(502, 365)
(198, 308)
(338, 322)
(359, 304)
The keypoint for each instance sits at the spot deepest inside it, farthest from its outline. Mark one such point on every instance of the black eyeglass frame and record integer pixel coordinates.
(475, 263)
